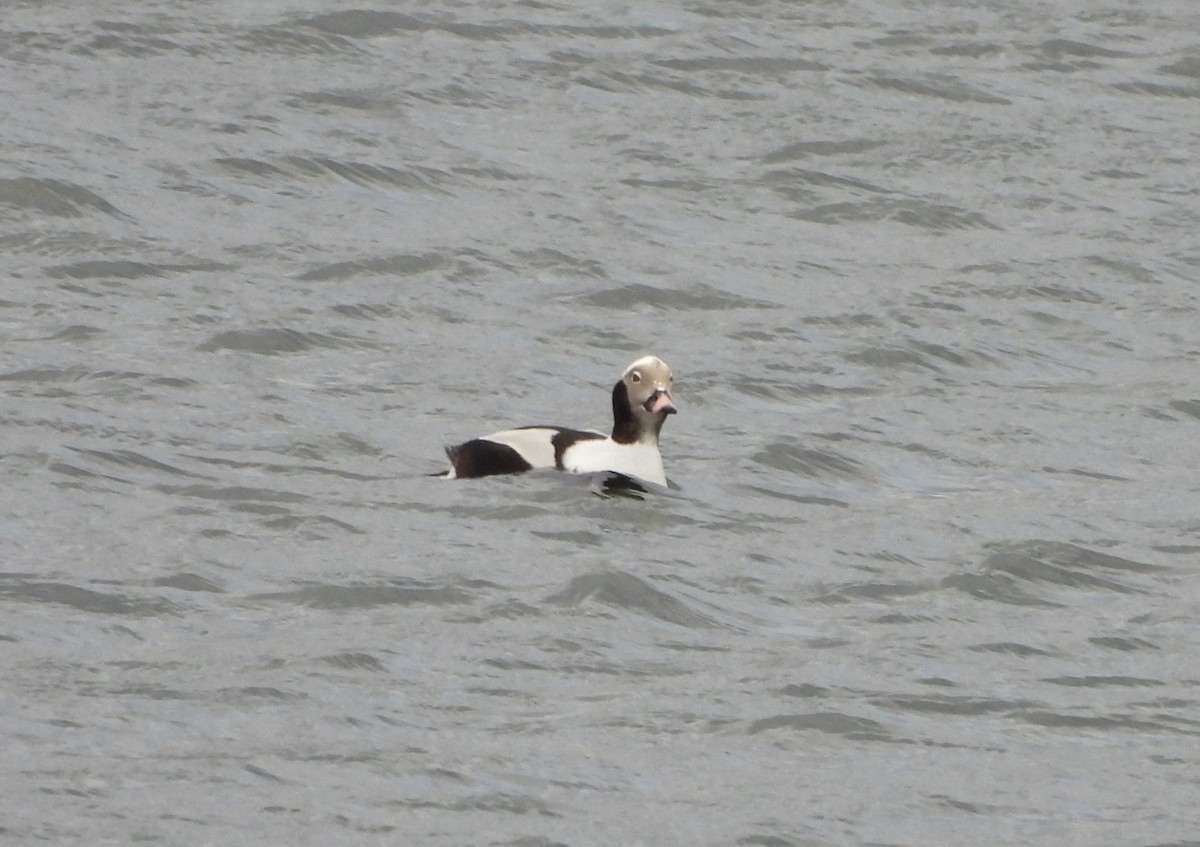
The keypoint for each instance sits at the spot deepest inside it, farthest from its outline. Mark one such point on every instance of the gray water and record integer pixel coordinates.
(927, 278)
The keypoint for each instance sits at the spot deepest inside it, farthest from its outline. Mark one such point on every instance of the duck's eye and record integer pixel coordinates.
(635, 377)
(671, 378)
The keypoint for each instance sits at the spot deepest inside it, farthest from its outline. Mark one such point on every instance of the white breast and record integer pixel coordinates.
(640, 459)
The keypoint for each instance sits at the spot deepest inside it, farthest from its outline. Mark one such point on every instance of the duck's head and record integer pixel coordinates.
(642, 400)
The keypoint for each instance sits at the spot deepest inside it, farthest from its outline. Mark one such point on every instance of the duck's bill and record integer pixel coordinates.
(660, 402)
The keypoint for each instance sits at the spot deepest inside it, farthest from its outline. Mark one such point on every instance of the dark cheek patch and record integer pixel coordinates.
(625, 430)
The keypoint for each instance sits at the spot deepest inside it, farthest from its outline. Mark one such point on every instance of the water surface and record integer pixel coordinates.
(926, 278)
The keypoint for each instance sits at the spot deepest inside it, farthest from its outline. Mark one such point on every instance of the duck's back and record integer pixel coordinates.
(516, 450)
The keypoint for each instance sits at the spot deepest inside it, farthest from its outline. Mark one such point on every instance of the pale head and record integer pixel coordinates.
(644, 392)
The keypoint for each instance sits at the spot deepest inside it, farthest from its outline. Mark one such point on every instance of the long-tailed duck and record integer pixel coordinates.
(641, 401)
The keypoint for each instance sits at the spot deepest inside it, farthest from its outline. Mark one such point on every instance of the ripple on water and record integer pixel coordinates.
(833, 723)
(923, 214)
(816, 462)
(937, 86)
(699, 297)
(952, 704)
(53, 197)
(1191, 408)
(189, 582)
(124, 269)
(365, 23)
(400, 264)
(1029, 572)
(273, 341)
(17, 587)
(623, 590)
(133, 461)
(286, 170)
(368, 595)
(292, 41)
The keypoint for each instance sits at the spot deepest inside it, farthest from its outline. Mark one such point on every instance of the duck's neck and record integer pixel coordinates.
(627, 428)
